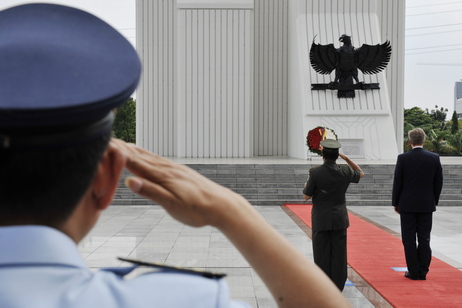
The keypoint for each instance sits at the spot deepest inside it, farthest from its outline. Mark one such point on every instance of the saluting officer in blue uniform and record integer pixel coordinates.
(62, 71)
(327, 185)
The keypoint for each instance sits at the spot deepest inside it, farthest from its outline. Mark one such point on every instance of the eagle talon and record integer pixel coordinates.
(362, 84)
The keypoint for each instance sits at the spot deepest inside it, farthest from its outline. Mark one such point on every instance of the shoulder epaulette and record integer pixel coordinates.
(175, 269)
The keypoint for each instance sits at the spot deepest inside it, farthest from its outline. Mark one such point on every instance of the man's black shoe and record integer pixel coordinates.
(407, 275)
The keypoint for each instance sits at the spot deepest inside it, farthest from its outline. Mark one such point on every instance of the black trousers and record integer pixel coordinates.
(418, 256)
(330, 254)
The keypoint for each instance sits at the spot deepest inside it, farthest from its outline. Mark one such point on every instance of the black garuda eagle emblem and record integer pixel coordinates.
(346, 61)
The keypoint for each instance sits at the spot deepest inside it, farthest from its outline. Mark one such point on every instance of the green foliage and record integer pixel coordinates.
(417, 117)
(456, 141)
(439, 115)
(125, 121)
(454, 123)
(443, 137)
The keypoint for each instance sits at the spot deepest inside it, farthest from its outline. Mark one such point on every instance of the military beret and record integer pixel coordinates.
(330, 144)
(62, 71)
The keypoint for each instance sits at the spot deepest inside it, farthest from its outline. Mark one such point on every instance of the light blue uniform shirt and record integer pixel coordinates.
(42, 267)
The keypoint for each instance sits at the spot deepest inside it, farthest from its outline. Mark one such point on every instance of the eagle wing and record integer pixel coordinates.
(372, 59)
(323, 58)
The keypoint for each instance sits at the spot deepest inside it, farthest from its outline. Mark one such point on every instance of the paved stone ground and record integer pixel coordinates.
(148, 233)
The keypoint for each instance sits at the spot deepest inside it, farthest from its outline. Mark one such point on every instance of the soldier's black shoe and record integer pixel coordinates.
(412, 277)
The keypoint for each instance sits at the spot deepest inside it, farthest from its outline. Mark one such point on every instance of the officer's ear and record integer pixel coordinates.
(107, 176)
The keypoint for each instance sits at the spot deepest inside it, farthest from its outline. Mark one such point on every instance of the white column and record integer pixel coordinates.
(214, 79)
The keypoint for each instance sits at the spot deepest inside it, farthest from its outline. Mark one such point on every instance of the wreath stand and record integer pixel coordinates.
(309, 154)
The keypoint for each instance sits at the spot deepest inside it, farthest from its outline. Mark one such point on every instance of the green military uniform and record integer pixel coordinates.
(327, 185)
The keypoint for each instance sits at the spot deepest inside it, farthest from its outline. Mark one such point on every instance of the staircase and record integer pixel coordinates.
(278, 184)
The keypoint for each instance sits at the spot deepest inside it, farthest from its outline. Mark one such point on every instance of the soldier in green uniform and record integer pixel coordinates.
(327, 185)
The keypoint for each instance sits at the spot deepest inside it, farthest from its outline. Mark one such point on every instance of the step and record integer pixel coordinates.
(271, 184)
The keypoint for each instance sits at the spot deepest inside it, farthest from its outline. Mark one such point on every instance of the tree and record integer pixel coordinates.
(439, 115)
(456, 141)
(438, 141)
(443, 137)
(417, 117)
(125, 121)
(455, 123)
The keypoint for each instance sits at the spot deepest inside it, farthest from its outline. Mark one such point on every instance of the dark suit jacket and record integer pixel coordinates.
(418, 181)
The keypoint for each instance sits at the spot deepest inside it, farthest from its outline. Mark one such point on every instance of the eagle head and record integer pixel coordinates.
(346, 39)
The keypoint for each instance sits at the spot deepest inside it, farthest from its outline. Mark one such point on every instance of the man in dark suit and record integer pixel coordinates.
(417, 185)
(327, 185)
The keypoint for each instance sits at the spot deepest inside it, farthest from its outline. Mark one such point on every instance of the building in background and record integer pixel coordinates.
(458, 98)
(232, 78)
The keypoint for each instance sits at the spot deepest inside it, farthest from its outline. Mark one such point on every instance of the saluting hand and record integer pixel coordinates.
(186, 195)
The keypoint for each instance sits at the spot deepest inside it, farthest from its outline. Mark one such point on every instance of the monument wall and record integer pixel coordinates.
(231, 78)
(365, 122)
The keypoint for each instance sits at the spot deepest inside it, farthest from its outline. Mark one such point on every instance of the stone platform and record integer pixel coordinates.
(280, 180)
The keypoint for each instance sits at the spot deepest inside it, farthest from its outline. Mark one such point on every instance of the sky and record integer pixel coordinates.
(433, 60)
(433, 56)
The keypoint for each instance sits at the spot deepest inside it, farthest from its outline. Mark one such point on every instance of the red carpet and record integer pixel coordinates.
(373, 252)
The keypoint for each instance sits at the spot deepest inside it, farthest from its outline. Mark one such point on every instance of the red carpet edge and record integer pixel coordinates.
(374, 253)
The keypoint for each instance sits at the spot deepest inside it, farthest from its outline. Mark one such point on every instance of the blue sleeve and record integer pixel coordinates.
(157, 289)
